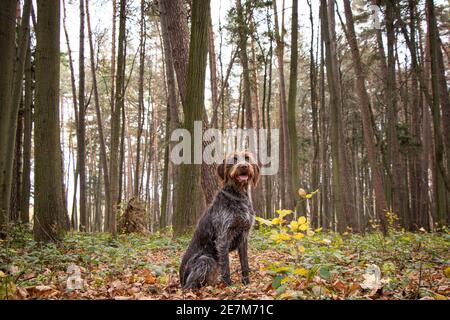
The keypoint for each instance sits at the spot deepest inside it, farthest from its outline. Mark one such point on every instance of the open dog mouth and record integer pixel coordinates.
(242, 178)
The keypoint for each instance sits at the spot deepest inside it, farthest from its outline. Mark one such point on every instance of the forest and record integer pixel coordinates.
(346, 107)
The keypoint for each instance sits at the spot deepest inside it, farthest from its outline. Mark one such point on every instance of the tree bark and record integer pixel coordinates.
(81, 128)
(28, 128)
(103, 156)
(172, 119)
(177, 24)
(50, 215)
(11, 100)
(189, 202)
(115, 121)
(368, 130)
(284, 136)
(292, 172)
(440, 191)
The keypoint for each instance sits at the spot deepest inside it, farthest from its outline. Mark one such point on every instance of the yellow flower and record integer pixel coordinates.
(301, 220)
(299, 236)
(301, 272)
(282, 269)
(283, 213)
(284, 236)
(309, 233)
(263, 221)
(280, 237)
(285, 280)
(303, 227)
(318, 229)
(301, 249)
(277, 220)
(293, 225)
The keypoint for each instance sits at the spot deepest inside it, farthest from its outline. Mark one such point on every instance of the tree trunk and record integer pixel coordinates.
(141, 99)
(189, 201)
(103, 156)
(115, 122)
(440, 191)
(292, 172)
(11, 92)
(368, 130)
(341, 192)
(50, 215)
(172, 118)
(177, 24)
(284, 137)
(81, 132)
(28, 127)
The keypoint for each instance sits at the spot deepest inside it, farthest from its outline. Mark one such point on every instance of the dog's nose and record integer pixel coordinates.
(244, 165)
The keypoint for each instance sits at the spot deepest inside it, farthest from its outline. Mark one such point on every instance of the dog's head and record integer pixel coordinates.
(238, 170)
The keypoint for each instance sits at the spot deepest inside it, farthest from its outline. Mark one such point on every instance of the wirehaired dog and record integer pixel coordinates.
(223, 227)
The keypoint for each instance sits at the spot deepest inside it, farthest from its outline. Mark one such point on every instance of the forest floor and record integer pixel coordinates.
(412, 266)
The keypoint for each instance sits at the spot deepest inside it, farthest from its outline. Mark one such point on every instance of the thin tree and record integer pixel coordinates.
(81, 128)
(115, 121)
(101, 135)
(27, 144)
(142, 37)
(172, 118)
(292, 172)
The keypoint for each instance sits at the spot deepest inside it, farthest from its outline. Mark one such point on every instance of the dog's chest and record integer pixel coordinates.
(242, 218)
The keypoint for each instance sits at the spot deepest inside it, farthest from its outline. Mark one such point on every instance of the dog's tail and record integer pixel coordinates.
(198, 272)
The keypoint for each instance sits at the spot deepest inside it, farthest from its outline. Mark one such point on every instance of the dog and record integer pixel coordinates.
(223, 227)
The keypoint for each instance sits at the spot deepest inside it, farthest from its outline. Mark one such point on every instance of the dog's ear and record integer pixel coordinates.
(257, 174)
(221, 172)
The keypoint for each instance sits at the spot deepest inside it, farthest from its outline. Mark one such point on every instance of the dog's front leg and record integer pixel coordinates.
(223, 249)
(243, 257)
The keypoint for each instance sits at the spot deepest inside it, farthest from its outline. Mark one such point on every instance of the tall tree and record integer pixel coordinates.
(368, 129)
(286, 197)
(50, 214)
(292, 172)
(344, 210)
(28, 128)
(101, 135)
(189, 199)
(172, 117)
(115, 120)
(398, 203)
(81, 127)
(440, 191)
(11, 92)
(142, 37)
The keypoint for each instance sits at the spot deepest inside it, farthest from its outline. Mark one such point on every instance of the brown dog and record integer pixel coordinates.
(223, 227)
